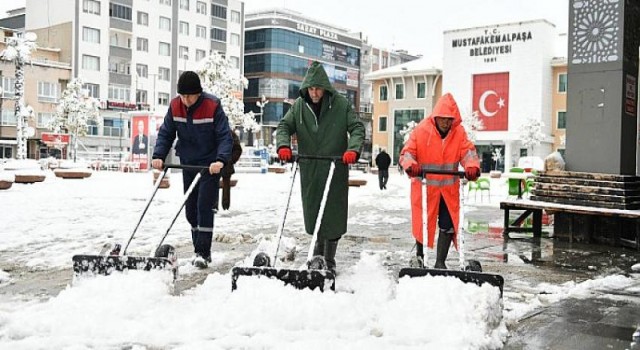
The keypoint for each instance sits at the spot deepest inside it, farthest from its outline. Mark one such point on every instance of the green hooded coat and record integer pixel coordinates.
(334, 131)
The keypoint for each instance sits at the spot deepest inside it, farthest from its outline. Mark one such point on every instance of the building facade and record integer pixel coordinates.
(401, 94)
(279, 46)
(504, 73)
(43, 76)
(131, 53)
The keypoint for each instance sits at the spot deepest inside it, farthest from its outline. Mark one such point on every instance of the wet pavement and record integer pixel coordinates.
(605, 319)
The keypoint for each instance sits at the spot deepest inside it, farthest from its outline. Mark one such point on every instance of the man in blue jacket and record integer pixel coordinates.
(202, 128)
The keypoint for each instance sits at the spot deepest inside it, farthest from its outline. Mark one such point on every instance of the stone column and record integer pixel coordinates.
(602, 94)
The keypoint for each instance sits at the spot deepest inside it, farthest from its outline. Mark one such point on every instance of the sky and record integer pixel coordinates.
(412, 25)
(45, 223)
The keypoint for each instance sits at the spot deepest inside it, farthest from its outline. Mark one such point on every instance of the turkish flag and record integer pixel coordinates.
(491, 100)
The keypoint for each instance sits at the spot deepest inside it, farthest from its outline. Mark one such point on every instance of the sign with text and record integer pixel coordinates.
(55, 140)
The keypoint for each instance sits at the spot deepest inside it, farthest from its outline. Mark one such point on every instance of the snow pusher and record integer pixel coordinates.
(470, 271)
(113, 258)
(316, 274)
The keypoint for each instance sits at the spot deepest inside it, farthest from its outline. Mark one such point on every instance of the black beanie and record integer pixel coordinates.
(189, 83)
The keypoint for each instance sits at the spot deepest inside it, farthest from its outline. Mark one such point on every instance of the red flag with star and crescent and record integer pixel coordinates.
(491, 100)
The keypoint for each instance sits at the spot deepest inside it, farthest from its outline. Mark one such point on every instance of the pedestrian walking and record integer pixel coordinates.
(383, 161)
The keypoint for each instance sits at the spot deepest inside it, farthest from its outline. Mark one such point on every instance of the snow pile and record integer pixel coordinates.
(4, 277)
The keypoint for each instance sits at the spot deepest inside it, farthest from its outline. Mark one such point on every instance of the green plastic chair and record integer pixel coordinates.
(529, 184)
(484, 184)
(472, 186)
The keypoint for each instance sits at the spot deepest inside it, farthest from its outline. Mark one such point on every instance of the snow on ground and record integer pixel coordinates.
(45, 224)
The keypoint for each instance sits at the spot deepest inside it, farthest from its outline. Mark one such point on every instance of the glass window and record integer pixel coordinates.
(562, 120)
(235, 16)
(142, 44)
(165, 23)
(165, 2)
(142, 70)
(422, 90)
(201, 7)
(93, 90)
(400, 120)
(120, 11)
(201, 32)
(562, 83)
(218, 11)
(119, 92)
(184, 5)
(91, 6)
(143, 19)
(90, 62)
(235, 39)
(382, 124)
(200, 54)
(91, 35)
(399, 91)
(141, 96)
(218, 34)
(8, 86)
(48, 92)
(8, 117)
(183, 52)
(164, 49)
(44, 119)
(235, 61)
(523, 152)
(163, 98)
(383, 93)
(164, 73)
(184, 28)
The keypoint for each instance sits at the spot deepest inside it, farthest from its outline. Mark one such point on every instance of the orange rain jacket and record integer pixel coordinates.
(427, 148)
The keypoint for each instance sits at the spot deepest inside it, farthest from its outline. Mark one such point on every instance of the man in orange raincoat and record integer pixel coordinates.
(438, 142)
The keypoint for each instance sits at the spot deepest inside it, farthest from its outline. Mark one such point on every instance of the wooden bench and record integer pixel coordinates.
(579, 219)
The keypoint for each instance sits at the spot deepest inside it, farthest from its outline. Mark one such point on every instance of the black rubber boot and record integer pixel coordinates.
(318, 248)
(330, 248)
(444, 241)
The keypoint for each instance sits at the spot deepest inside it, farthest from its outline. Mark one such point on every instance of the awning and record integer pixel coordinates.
(8, 142)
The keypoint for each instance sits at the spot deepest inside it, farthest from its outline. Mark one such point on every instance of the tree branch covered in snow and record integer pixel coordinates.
(19, 51)
(531, 132)
(472, 124)
(75, 110)
(219, 77)
(406, 131)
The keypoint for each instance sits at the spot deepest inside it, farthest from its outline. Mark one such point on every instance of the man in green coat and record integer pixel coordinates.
(325, 125)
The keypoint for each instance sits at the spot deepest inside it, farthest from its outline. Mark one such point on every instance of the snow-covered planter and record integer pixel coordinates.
(495, 174)
(165, 181)
(6, 180)
(73, 170)
(25, 170)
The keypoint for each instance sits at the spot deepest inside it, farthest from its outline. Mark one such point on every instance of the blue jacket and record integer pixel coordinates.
(202, 131)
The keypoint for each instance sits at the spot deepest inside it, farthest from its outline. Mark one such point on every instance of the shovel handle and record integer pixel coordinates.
(441, 172)
(186, 167)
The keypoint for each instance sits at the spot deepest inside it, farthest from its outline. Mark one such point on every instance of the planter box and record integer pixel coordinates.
(165, 181)
(29, 179)
(5, 185)
(494, 174)
(357, 182)
(72, 173)
(277, 170)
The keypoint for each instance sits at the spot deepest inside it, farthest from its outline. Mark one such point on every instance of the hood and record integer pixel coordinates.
(447, 107)
(316, 76)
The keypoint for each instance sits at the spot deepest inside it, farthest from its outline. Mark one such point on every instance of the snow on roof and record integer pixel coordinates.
(424, 65)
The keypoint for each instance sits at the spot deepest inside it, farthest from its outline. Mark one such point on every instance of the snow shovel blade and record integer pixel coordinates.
(299, 279)
(106, 264)
(465, 276)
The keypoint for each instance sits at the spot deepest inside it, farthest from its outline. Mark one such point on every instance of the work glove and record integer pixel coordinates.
(349, 157)
(414, 170)
(472, 173)
(284, 153)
